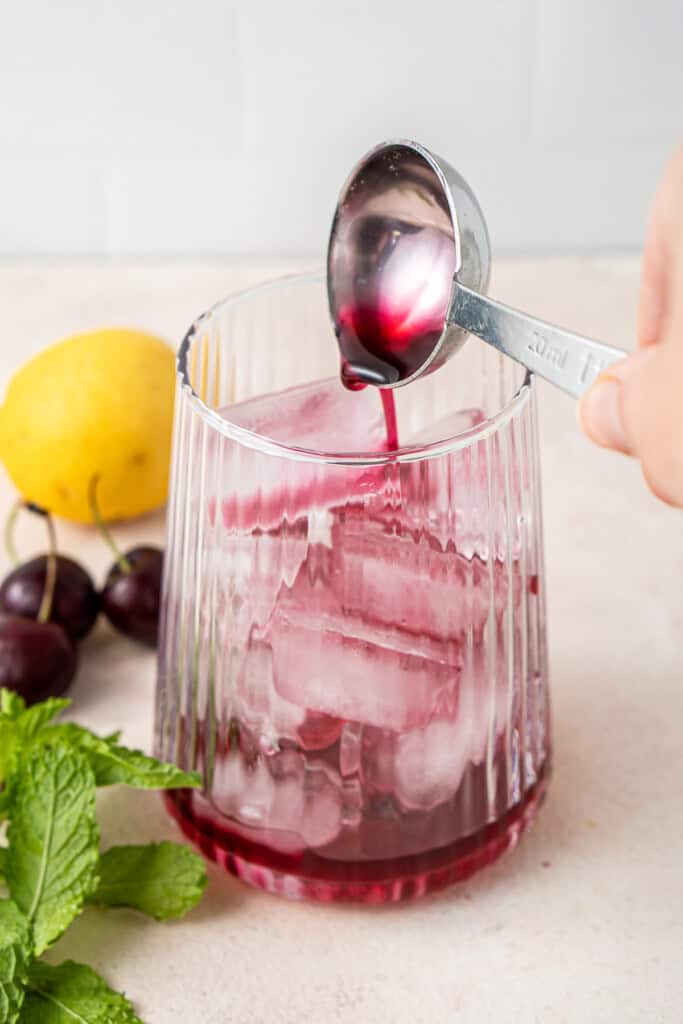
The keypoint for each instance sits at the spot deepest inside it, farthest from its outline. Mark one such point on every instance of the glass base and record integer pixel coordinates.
(390, 881)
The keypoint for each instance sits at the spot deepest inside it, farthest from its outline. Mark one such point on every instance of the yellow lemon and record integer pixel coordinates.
(96, 403)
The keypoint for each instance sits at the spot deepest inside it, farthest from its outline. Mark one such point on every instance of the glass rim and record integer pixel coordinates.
(251, 439)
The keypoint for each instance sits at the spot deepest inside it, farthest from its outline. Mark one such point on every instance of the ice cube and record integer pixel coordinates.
(328, 661)
(265, 713)
(308, 798)
(248, 794)
(401, 576)
(243, 790)
(321, 416)
(378, 674)
(351, 677)
(446, 427)
(251, 568)
(420, 767)
(429, 763)
(283, 796)
(269, 716)
(423, 767)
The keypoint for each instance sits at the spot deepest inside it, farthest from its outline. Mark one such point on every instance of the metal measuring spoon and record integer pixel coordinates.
(408, 267)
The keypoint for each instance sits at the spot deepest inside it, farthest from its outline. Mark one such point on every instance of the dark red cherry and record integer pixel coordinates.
(75, 602)
(132, 594)
(37, 659)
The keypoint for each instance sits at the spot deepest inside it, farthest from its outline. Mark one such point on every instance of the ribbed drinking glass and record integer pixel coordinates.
(353, 648)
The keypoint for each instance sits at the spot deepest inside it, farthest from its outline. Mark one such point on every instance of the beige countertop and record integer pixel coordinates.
(583, 922)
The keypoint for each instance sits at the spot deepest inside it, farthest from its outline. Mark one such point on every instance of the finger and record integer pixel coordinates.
(635, 408)
(600, 412)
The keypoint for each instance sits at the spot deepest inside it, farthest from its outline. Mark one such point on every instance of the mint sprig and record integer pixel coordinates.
(73, 994)
(52, 865)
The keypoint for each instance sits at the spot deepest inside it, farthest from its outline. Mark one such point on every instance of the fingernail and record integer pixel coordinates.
(601, 415)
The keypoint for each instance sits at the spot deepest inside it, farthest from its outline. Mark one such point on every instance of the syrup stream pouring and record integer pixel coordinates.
(408, 267)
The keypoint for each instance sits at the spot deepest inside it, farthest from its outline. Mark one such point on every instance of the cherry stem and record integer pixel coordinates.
(45, 609)
(121, 560)
(48, 597)
(9, 531)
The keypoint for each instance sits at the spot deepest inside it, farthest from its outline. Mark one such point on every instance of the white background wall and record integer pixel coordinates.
(210, 127)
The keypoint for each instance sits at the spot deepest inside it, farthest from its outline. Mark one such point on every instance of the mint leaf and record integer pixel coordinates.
(53, 839)
(19, 725)
(161, 880)
(35, 718)
(114, 764)
(11, 704)
(111, 762)
(73, 994)
(15, 955)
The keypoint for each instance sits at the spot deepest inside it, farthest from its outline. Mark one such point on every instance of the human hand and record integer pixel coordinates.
(636, 405)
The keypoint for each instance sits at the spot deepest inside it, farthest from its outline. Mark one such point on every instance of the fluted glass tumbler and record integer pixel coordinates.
(352, 648)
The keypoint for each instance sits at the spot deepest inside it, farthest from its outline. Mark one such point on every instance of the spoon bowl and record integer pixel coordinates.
(408, 267)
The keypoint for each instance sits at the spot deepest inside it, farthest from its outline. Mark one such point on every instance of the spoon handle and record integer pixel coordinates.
(568, 360)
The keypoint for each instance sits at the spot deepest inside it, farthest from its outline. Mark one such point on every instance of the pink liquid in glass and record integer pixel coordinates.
(370, 743)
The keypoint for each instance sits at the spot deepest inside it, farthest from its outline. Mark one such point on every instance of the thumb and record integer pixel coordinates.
(635, 407)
